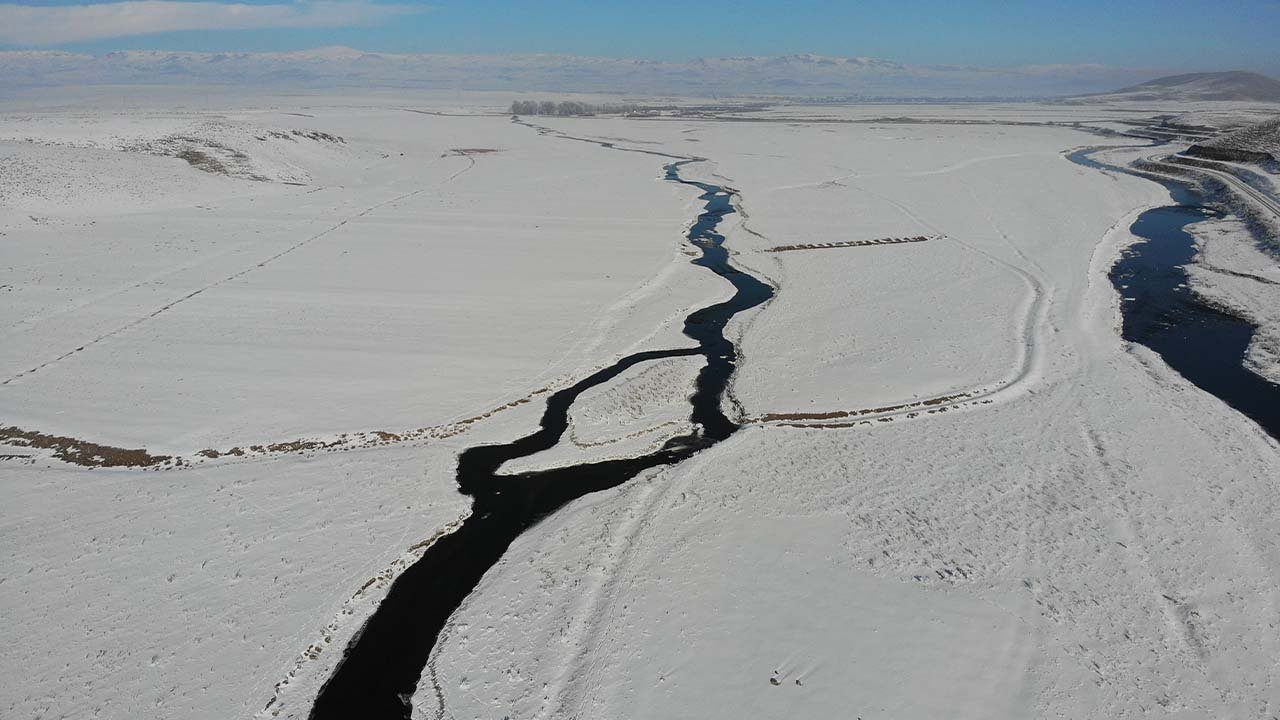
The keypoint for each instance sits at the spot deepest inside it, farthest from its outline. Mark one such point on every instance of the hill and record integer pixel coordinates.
(1254, 143)
(1235, 85)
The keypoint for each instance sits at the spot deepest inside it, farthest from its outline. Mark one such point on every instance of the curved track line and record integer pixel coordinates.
(1027, 366)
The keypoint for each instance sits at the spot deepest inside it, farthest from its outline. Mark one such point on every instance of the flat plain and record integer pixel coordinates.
(956, 490)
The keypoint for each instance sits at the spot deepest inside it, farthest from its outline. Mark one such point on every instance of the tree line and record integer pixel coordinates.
(566, 108)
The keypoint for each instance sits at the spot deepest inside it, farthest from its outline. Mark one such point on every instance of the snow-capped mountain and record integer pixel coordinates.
(799, 74)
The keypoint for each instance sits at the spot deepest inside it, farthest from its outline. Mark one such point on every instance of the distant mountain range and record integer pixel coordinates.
(1235, 85)
(791, 75)
(800, 75)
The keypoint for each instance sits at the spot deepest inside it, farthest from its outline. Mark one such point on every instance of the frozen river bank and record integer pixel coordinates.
(1204, 344)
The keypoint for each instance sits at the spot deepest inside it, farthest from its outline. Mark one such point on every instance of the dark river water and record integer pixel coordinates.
(1205, 345)
(382, 666)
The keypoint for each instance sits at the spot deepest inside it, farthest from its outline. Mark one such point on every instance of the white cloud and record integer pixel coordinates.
(42, 25)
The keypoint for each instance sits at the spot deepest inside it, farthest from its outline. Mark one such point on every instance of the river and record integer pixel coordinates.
(1203, 344)
(382, 666)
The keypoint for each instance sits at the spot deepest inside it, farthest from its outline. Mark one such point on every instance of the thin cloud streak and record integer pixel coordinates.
(35, 26)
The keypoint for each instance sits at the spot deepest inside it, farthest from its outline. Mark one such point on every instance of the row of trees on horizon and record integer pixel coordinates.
(567, 108)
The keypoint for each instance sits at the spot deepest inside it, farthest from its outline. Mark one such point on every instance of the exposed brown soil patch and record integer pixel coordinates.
(366, 439)
(80, 452)
(837, 414)
(853, 243)
(319, 136)
(203, 161)
(293, 135)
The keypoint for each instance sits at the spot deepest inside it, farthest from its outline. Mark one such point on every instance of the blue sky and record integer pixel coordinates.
(1170, 34)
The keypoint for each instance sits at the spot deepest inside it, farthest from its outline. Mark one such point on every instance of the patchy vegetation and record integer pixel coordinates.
(1259, 142)
(202, 161)
(852, 243)
(569, 108)
(80, 452)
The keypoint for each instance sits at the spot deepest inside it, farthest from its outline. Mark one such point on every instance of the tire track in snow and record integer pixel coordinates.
(589, 626)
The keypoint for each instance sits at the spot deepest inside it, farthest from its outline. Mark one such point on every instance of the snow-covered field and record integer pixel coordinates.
(398, 287)
(958, 492)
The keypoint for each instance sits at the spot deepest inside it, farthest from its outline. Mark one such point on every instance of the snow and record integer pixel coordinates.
(1233, 274)
(1235, 268)
(1262, 137)
(421, 267)
(957, 493)
(185, 311)
(190, 593)
(1071, 547)
(631, 416)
